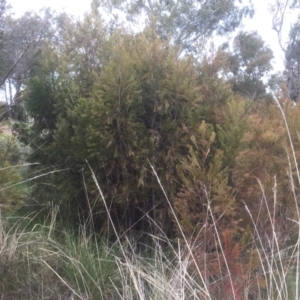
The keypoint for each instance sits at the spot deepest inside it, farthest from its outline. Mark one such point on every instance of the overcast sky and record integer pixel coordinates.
(262, 22)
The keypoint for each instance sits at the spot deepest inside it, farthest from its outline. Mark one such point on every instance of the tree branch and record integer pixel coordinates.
(21, 55)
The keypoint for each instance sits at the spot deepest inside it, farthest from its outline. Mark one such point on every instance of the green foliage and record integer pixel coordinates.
(88, 265)
(43, 261)
(232, 130)
(261, 160)
(184, 23)
(119, 103)
(214, 91)
(249, 63)
(204, 187)
(4, 8)
(144, 105)
(13, 192)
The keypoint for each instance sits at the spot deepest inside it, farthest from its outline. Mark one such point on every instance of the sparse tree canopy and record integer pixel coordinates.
(185, 22)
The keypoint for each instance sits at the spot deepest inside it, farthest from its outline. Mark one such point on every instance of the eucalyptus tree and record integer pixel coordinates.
(23, 39)
(290, 47)
(4, 8)
(184, 22)
(249, 66)
(292, 63)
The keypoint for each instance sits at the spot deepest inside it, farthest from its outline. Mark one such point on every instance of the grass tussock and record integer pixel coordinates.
(38, 261)
(42, 261)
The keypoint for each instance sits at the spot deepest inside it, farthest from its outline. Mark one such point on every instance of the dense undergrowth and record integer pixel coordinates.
(42, 257)
(143, 174)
